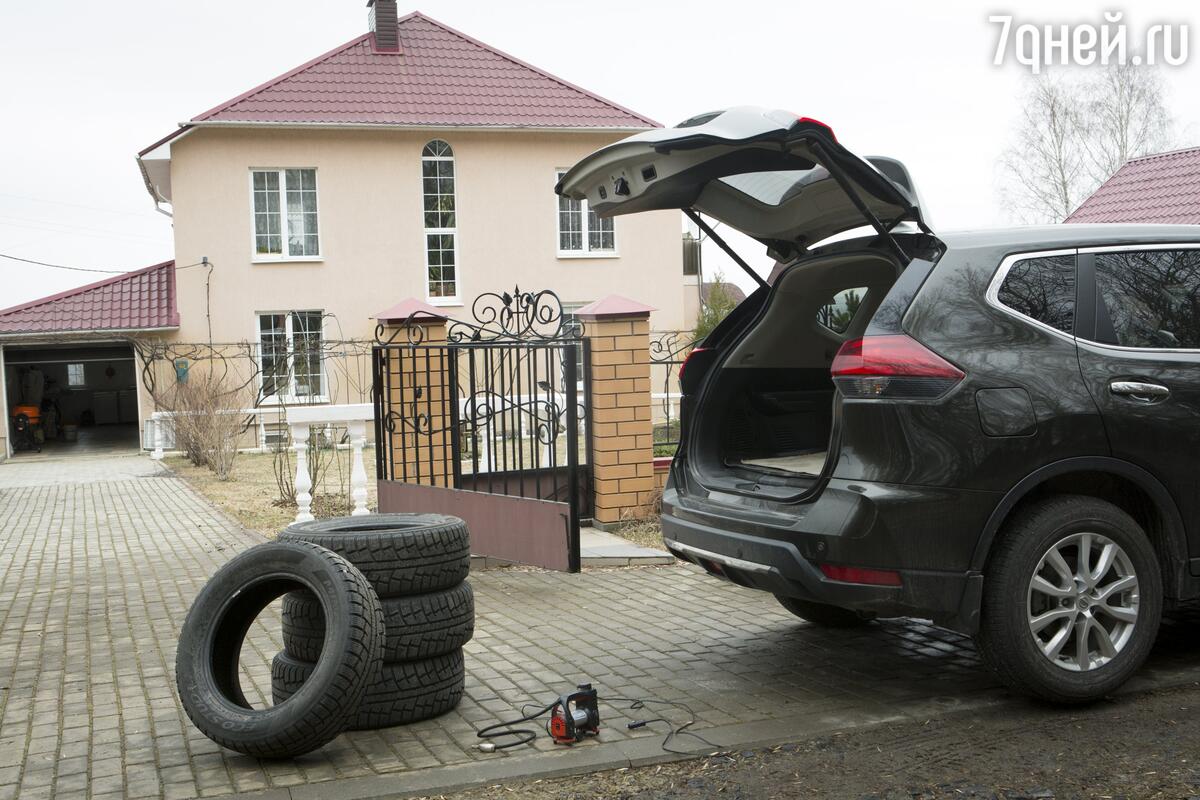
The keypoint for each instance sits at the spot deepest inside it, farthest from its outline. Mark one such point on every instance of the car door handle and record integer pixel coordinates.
(1140, 390)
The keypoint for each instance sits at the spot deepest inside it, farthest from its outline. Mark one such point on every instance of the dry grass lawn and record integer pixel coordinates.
(251, 497)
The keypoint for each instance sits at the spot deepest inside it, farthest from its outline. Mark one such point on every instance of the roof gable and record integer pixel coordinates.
(439, 77)
(1158, 188)
(140, 300)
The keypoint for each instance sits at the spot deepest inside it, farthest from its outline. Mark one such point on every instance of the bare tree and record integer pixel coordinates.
(1126, 116)
(1044, 167)
(1074, 134)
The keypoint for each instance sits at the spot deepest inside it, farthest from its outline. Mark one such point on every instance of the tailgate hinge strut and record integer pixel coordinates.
(850, 191)
(729, 251)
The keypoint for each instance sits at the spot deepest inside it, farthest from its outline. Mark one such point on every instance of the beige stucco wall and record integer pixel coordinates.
(370, 217)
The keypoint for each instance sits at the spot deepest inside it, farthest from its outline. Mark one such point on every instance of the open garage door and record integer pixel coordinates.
(71, 399)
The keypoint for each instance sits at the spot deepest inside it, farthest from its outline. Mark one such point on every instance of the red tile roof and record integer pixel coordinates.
(615, 305)
(140, 300)
(409, 307)
(439, 77)
(1158, 188)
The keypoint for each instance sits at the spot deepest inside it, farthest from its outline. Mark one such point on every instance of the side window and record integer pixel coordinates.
(1149, 298)
(441, 221)
(580, 231)
(75, 375)
(285, 213)
(840, 310)
(1042, 289)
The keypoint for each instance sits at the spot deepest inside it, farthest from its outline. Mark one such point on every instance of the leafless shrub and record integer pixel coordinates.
(209, 418)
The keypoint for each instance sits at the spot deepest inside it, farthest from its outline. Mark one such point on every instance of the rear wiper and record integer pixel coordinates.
(729, 251)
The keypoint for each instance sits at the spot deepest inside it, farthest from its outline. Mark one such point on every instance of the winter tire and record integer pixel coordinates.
(1072, 599)
(822, 615)
(404, 692)
(206, 661)
(418, 626)
(401, 554)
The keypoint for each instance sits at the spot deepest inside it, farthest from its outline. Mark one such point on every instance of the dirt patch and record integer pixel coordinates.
(1139, 746)
(251, 496)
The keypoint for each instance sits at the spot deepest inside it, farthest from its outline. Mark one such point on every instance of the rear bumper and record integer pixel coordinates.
(779, 549)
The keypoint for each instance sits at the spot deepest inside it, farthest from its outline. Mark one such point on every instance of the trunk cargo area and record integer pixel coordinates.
(767, 415)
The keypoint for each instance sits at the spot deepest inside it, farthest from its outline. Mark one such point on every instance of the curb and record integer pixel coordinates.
(603, 756)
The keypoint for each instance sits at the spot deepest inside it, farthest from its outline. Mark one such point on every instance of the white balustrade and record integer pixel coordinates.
(304, 485)
(158, 422)
(301, 420)
(354, 416)
(358, 471)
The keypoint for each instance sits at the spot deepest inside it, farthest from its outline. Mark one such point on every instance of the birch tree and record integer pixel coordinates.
(1074, 134)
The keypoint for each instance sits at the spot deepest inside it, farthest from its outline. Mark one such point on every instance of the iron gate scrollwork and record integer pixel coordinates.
(499, 406)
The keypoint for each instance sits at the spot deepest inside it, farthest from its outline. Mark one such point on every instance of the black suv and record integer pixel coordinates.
(997, 430)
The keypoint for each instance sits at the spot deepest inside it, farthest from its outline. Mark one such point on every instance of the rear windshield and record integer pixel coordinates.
(775, 188)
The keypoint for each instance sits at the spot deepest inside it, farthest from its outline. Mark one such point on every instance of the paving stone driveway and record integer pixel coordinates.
(101, 558)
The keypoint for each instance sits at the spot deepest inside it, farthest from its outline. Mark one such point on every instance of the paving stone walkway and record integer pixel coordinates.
(99, 562)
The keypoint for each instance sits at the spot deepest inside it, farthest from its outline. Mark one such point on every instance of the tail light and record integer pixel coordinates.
(810, 121)
(873, 577)
(692, 354)
(893, 366)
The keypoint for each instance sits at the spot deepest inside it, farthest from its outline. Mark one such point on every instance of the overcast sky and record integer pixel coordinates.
(88, 83)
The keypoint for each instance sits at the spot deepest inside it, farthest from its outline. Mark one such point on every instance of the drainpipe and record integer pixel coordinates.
(4, 394)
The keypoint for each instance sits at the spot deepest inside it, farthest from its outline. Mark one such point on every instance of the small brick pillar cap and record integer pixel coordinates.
(614, 305)
(411, 308)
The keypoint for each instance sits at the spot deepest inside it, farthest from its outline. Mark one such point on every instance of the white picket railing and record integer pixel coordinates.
(301, 420)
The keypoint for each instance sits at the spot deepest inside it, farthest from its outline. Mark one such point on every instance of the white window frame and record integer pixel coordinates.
(456, 300)
(273, 258)
(82, 382)
(289, 398)
(586, 252)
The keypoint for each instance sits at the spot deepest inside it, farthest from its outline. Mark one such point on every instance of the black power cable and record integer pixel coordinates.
(676, 731)
(506, 728)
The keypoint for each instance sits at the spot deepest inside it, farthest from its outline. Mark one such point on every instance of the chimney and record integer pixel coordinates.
(383, 24)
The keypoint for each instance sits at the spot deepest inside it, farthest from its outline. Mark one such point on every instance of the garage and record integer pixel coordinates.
(71, 399)
(71, 377)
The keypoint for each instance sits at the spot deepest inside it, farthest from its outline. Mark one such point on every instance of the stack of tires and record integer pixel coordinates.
(417, 564)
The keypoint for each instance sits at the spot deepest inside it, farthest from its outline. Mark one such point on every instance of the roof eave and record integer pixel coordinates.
(160, 151)
(81, 333)
(418, 126)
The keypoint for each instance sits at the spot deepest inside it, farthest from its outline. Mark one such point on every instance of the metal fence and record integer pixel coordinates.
(498, 417)
(668, 350)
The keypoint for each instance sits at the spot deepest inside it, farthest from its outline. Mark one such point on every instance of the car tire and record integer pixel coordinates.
(210, 643)
(418, 626)
(401, 554)
(404, 691)
(823, 615)
(1034, 610)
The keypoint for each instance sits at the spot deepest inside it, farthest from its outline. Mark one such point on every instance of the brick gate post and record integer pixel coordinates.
(622, 433)
(418, 380)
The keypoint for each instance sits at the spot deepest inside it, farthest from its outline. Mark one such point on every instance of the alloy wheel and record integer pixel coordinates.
(1083, 602)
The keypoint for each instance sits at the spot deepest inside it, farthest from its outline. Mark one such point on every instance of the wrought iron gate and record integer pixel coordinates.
(490, 423)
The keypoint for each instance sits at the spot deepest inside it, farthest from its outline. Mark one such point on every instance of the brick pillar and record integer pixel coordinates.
(622, 434)
(419, 392)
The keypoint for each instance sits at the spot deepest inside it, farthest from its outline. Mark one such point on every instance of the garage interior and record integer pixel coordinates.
(76, 399)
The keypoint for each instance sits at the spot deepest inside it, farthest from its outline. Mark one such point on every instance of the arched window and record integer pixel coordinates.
(441, 225)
